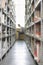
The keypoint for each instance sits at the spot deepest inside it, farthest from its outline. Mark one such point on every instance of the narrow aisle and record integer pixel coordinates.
(18, 55)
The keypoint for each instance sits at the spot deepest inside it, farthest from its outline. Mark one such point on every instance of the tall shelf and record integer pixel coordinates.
(34, 28)
(7, 26)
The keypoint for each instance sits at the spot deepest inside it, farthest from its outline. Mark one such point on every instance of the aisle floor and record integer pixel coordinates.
(18, 55)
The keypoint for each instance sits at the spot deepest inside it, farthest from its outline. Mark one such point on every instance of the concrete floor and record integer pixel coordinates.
(18, 55)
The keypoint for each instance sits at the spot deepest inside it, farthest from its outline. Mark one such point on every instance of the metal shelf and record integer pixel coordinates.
(7, 28)
(35, 18)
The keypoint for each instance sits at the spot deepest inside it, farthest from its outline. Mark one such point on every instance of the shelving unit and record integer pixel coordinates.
(7, 26)
(34, 28)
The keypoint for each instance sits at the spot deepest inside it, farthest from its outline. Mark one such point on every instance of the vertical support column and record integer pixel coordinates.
(38, 52)
(0, 44)
(41, 55)
(0, 27)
